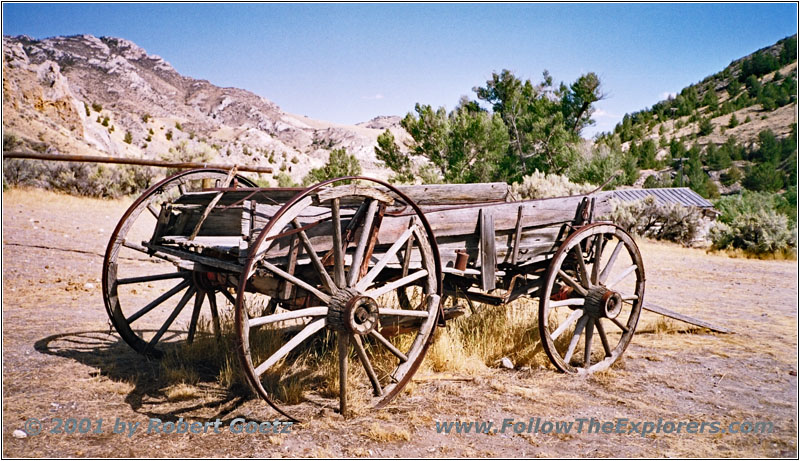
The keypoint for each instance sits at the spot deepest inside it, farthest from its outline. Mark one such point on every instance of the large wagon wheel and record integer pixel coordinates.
(146, 293)
(594, 289)
(334, 257)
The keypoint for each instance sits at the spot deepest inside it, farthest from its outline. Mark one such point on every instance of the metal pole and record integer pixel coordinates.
(130, 161)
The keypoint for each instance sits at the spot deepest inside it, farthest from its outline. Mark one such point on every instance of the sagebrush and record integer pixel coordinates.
(540, 185)
(648, 218)
(79, 178)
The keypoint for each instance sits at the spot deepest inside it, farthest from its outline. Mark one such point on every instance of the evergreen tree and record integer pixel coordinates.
(340, 164)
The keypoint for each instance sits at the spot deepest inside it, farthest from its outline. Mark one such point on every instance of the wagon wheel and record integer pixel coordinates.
(146, 294)
(339, 285)
(591, 299)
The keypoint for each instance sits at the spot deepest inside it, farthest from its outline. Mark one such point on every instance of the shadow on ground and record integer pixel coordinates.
(115, 360)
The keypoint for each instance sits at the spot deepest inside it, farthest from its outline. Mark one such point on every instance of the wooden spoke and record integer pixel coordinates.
(228, 296)
(343, 343)
(573, 283)
(629, 298)
(563, 327)
(587, 351)
(603, 339)
(307, 312)
(358, 256)
(402, 312)
(374, 293)
(598, 252)
(583, 273)
(152, 278)
(407, 255)
(323, 274)
(156, 302)
(610, 264)
(381, 339)
(198, 304)
(309, 330)
(291, 278)
(390, 253)
(338, 246)
(568, 302)
(620, 325)
(189, 293)
(212, 302)
(362, 355)
(152, 209)
(628, 270)
(576, 335)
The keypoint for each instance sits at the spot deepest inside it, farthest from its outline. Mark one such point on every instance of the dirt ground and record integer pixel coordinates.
(60, 361)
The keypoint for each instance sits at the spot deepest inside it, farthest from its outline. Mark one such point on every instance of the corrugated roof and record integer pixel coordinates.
(663, 195)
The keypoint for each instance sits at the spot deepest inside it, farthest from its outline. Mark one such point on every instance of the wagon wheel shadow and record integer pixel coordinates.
(115, 360)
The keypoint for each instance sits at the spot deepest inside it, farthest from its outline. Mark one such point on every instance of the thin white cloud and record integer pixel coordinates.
(374, 97)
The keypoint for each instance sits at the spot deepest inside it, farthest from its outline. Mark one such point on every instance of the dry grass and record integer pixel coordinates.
(381, 432)
(778, 255)
(182, 392)
(473, 343)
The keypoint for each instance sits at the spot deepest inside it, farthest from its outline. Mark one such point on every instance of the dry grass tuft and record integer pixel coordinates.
(384, 433)
(180, 392)
(472, 343)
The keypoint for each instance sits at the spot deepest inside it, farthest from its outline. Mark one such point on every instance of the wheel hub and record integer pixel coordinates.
(601, 302)
(353, 312)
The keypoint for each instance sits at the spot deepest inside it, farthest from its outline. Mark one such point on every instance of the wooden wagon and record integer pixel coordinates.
(362, 268)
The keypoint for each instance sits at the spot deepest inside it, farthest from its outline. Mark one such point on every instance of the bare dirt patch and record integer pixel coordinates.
(60, 360)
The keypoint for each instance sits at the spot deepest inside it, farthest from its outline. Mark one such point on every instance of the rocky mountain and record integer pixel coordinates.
(107, 96)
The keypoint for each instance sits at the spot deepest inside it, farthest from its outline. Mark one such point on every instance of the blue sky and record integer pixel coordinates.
(348, 63)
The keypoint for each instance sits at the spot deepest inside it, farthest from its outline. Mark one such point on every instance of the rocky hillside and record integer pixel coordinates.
(730, 114)
(107, 96)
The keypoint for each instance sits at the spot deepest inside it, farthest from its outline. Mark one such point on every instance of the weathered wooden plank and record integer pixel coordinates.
(683, 318)
(426, 194)
(488, 255)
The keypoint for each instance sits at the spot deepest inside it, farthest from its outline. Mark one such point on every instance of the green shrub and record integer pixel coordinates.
(731, 176)
(340, 164)
(128, 137)
(79, 178)
(753, 221)
(284, 180)
(647, 218)
(654, 181)
(540, 185)
(760, 232)
(96, 107)
(603, 164)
